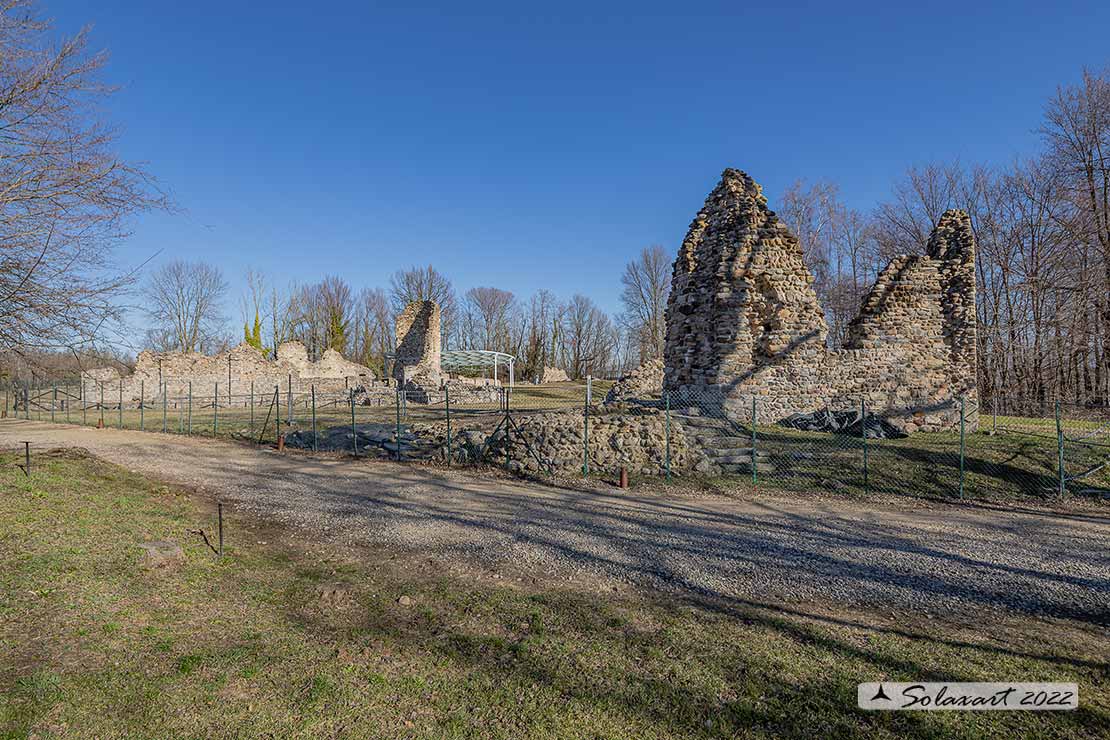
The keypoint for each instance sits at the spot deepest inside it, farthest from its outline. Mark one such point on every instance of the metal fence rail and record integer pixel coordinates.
(995, 449)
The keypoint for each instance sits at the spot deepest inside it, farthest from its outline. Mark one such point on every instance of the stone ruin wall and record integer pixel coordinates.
(553, 375)
(632, 438)
(644, 382)
(418, 352)
(331, 373)
(418, 358)
(743, 320)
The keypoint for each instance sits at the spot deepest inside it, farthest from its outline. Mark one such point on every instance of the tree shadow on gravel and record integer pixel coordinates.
(770, 550)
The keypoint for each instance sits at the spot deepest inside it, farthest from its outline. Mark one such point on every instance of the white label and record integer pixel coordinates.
(968, 696)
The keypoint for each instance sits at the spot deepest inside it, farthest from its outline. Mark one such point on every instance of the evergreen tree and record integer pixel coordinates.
(253, 337)
(337, 331)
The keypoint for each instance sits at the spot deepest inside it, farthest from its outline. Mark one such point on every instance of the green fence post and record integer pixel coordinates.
(667, 433)
(863, 433)
(53, 404)
(755, 463)
(397, 433)
(447, 403)
(215, 408)
(315, 447)
(1063, 488)
(354, 430)
(963, 403)
(508, 428)
(586, 429)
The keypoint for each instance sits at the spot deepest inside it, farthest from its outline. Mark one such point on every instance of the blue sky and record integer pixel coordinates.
(525, 145)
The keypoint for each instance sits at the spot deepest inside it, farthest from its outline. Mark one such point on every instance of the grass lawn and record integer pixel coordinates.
(287, 636)
(1017, 461)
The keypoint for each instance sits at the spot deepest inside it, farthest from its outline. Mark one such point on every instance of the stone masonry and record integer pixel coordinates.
(418, 353)
(244, 364)
(743, 320)
(645, 382)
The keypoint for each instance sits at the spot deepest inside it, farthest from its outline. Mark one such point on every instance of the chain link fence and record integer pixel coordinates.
(996, 449)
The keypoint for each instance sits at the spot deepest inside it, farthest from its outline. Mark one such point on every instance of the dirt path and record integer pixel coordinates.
(936, 560)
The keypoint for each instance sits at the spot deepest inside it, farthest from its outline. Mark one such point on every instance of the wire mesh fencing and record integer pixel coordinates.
(959, 448)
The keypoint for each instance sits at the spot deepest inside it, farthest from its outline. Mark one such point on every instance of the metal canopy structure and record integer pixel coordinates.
(467, 359)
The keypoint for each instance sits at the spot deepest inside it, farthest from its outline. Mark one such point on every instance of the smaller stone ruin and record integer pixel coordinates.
(418, 357)
(645, 382)
(553, 375)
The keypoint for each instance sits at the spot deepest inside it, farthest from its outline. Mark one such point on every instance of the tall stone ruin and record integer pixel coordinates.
(743, 320)
(418, 353)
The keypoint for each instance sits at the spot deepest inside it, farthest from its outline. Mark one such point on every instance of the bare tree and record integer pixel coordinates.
(336, 303)
(813, 214)
(851, 273)
(487, 319)
(374, 325)
(425, 284)
(647, 283)
(538, 341)
(902, 225)
(185, 306)
(283, 312)
(65, 195)
(586, 337)
(1077, 131)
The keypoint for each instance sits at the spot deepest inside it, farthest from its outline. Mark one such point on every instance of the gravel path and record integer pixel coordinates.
(936, 560)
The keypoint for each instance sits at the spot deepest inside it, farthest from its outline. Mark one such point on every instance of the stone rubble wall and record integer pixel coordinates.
(633, 438)
(743, 320)
(180, 371)
(646, 381)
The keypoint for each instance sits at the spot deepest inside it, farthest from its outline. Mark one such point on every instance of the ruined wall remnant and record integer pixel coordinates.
(553, 375)
(235, 371)
(418, 352)
(645, 382)
(743, 320)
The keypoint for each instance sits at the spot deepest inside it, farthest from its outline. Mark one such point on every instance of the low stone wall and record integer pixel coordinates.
(634, 438)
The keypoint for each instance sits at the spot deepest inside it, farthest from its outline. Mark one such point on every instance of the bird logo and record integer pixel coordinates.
(880, 694)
